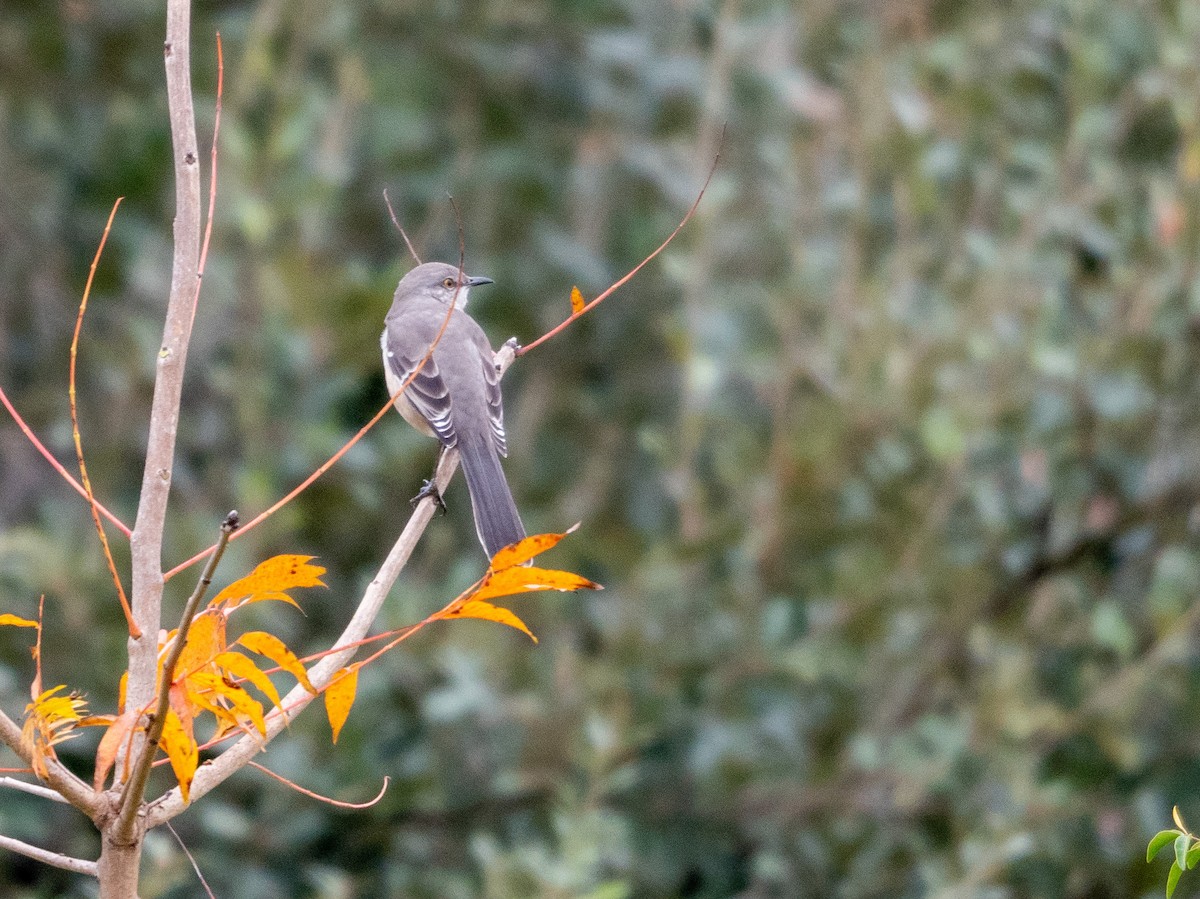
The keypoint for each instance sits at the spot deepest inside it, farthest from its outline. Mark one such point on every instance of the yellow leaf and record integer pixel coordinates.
(274, 649)
(205, 641)
(106, 754)
(226, 720)
(269, 581)
(247, 705)
(181, 750)
(238, 665)
(512, 581)
(526, 549)
(474, 608)
(339, 698)
(577, 302)
(14, 621)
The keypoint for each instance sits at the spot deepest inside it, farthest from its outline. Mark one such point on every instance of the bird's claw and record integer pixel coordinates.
(429, 488)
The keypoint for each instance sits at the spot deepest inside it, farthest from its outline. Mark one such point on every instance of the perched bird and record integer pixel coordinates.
(456, 395)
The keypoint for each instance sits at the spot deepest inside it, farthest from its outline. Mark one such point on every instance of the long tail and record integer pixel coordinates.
(496, 519)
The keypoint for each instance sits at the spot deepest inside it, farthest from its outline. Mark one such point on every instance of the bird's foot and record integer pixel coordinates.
(429, 488)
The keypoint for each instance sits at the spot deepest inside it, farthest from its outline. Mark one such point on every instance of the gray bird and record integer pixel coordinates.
(456, 395)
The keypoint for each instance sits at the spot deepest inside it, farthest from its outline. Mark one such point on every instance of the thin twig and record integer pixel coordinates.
(55, 464)
(134, 631)
(399, 227)
(190, 858)
(637, 268)
(131, 798)
(45, 856)
(212, 180)
(25, 786)
(317, 796)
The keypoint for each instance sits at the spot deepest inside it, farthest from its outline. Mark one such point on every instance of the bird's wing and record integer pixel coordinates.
(495, 404)
(427, 392)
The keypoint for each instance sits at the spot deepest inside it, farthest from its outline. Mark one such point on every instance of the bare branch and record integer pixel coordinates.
(70, 787)
(146, 542)
(25, 786)
(57, 859)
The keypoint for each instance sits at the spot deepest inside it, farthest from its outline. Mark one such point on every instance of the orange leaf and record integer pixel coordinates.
(474, 608)
(526, 549)
(269, 581)
(238, 665)
(205, 641)
(106, 753)
(14, 621)
(274, 649)
(577, 302)
(339, 697)
(182, 751)
(516, 580)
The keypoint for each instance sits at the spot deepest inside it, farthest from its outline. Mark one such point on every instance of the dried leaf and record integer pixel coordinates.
(339, 698)
(269, 581)
(474, 608)
(577, 302)
(14, 621)
(274, 649)
(106, 753)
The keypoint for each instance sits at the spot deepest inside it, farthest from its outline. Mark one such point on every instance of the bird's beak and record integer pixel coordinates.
(476, 281)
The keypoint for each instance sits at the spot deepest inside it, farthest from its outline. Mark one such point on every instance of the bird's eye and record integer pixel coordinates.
(447, 282)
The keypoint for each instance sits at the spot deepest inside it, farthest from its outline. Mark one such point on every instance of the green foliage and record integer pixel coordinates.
(888, 465)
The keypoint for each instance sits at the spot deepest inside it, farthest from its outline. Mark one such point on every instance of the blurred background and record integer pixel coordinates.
(889, 465)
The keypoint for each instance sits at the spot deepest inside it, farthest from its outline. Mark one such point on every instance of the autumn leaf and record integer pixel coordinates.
(110, 743)
(181, 750)
(269, 581)
(526, 549)
(15, 621)
(519, 579)
(475, 608)
(339, 697)
(237, 665)
(49, 720)
(274, 649)
(235, 698)
(205, 640)
(577, 302)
